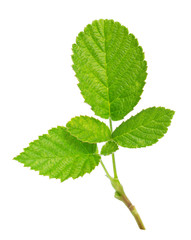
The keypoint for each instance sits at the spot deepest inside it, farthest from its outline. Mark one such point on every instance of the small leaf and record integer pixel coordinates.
(143, 129)
(109, 148)
(89, 129)
(60, 155)
(110, 67)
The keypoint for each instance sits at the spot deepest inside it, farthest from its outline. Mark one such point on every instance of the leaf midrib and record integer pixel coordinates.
(59, 157)
(106, 72)
(137, 128)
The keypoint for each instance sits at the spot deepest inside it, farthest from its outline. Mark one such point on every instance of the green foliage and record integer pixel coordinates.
(143, 129)
(110, 67)
(111, 70)
(109, 148)
(89, 129)
(60, 155)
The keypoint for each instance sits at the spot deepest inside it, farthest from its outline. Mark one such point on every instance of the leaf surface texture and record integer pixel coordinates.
(89, 129)
(143, 129)
(109, 148)
(110, 67)
(60, 155)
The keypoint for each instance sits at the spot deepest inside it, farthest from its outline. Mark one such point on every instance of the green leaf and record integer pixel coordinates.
(89, 129)
(110, 67)
(109, 148)
(60, 155)
(143, 129)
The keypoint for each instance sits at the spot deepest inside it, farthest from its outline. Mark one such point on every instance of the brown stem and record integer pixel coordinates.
(120, 195)
(133, 210)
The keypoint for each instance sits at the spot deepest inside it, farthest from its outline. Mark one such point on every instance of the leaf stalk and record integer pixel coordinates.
(107, 173)
(119, 191)
(113, 155)
(120, 195)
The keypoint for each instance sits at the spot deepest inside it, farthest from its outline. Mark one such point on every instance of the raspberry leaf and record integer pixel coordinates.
(60, 155)
(89, 129)
(143, 129)
(110, 67)
(109, 148)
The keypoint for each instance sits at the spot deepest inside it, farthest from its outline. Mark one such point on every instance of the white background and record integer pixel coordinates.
(38, 91)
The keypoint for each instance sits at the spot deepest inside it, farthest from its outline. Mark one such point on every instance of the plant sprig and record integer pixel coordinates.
(111, 70)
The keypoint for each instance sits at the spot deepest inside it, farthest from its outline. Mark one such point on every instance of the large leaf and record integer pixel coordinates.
(109, 148)
(60, 155)
(143, 129)
(89, 129)
(110, 67)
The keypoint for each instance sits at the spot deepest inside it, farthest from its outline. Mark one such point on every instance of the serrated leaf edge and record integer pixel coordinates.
(106, 69)
(91, 118)
(173, 112)
(61, 180)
